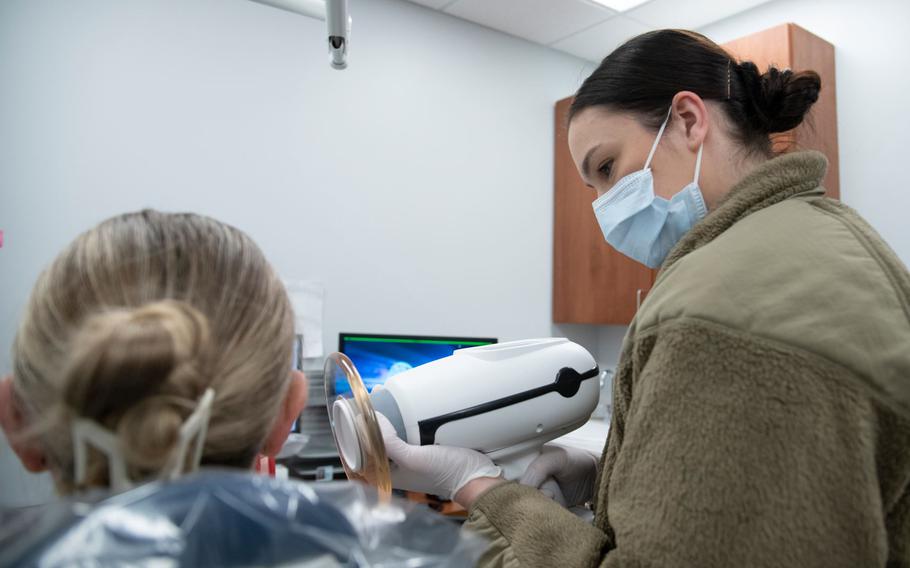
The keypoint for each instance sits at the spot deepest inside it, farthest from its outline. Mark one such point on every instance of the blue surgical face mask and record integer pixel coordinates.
(644, 226)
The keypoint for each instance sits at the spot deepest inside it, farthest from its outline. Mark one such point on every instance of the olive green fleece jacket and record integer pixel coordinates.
(759, 403)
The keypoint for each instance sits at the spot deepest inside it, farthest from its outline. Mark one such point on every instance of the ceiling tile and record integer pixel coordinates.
(435, 4)
(597, 42)
(695, 14)
(582, 27)
(541, 21)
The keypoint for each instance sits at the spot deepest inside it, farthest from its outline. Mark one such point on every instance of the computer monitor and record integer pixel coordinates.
(378, 357)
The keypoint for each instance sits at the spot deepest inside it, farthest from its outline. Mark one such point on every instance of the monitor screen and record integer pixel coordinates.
(378, 357)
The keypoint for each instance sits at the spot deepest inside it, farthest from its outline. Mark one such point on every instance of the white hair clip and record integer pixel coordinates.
(193, 430)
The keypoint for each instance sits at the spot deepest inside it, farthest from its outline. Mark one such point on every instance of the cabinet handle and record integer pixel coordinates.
(638, 300)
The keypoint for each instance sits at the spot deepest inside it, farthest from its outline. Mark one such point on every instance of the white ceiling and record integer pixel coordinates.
(583, 27)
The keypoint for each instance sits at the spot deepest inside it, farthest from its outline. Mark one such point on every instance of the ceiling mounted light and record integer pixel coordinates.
(620, 5)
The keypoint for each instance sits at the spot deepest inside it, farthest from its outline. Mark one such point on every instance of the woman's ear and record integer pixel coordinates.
(12, 420)
(293, 405)
(692, 113)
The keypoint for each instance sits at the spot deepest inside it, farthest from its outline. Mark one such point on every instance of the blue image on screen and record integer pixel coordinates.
(378, 360)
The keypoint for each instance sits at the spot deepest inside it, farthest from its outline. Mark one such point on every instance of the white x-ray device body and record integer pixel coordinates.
(505, 400)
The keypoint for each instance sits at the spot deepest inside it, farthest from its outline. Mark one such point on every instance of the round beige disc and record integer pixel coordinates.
(354, 425)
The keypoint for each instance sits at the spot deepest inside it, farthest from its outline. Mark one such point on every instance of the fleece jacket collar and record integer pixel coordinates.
(780, 178)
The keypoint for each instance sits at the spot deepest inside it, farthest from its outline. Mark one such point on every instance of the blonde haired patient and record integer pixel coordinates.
(128, 329)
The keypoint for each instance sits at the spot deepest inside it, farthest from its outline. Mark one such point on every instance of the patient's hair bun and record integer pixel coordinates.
(139, 372)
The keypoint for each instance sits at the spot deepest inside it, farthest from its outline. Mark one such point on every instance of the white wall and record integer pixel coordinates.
(417, 184)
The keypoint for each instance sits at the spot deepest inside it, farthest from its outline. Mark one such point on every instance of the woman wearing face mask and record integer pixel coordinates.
(756, 417)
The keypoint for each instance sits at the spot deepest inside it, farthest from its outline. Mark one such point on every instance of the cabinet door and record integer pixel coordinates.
(592, 283)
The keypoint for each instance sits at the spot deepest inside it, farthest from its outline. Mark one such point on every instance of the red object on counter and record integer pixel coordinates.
(265, 465)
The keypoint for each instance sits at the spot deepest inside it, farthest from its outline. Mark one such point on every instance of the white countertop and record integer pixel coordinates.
(592, 436)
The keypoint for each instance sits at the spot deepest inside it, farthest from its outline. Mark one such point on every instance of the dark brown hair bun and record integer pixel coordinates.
(779, 99)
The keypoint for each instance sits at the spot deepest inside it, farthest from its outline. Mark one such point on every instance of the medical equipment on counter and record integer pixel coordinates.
(505, 400)
(309, 452)
(604, 409)
(338, 23)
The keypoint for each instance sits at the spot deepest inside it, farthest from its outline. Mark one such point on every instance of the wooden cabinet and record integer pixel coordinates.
(594, 284)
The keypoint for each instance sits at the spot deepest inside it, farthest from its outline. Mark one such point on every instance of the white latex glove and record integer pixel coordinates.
(438, 470)
(573, 470)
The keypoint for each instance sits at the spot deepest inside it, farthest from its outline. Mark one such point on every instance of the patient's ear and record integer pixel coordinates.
(13, 422)
(293, 405)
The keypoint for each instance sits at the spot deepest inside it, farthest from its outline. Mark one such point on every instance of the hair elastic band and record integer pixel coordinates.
(88, 432)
